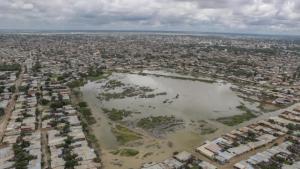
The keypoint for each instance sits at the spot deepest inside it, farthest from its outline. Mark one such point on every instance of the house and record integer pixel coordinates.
(206, 165)
(173, 163)
(183, 157)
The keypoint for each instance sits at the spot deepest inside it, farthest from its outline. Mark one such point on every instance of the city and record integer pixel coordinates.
(150, 84)
(50, 83)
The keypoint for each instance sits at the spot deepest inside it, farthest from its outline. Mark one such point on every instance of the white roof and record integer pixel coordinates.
(183, 156)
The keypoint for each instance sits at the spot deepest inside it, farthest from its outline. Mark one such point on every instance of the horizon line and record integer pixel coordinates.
(139, 30)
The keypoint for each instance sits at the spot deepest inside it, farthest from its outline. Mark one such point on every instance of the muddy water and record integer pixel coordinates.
(197, 101)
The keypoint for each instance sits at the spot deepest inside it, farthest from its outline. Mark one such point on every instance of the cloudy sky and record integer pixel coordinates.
(249, 16)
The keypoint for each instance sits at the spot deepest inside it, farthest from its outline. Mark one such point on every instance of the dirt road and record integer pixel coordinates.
(11, 105)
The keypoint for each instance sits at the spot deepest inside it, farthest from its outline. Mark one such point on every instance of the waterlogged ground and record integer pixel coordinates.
(195, 103)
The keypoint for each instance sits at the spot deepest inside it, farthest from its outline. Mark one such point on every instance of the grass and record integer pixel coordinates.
(87, 114)
(142, 92)
(242, 107)
(237, 119)
(208, 130)
(115, 152)
(155, 121)
(112, 84)
(98, 77)
(180, 77)
(76, 83)
(128, 152)
(117, 115)
(125, 135)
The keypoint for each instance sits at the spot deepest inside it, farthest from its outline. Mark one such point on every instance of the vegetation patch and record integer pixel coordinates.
(127, 92)
(155, 122)
(76, 83)
(180, 77)
(87, 114)
(125, 135)
(22, 156)
(2, 111)
(98, 77)
(128, 152)
(117, 115)
(112, 84)
(10, 67)
(237, 119)
(208, 130)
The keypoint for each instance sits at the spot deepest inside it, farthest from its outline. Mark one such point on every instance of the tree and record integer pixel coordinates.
(2, 111)
(82, 104)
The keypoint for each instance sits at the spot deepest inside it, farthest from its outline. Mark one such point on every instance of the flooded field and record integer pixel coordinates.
(195, 103)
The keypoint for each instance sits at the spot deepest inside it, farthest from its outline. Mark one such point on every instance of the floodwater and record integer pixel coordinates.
(196, 101)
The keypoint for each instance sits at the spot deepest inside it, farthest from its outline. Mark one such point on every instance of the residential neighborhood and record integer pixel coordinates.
(63, 101)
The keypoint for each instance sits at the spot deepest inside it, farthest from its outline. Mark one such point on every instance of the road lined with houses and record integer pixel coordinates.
(11, 104)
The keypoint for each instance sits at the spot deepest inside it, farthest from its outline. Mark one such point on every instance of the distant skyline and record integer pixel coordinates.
(234, 16)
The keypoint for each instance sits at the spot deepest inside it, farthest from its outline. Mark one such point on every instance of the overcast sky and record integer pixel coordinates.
(249, 16)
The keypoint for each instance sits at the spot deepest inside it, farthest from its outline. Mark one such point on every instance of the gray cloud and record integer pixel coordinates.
(282, 16)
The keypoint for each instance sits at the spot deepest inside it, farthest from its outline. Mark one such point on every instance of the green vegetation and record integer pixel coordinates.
(112, 84)
(128, 92)
(94, 74)
(23, 88)
(117, 115)
(76, 83)
(44, 101)
(208, 130)
(181, 77)
(156, 121)
(115, 152)
(269, 165)
(12, 88)
(2, 89)
(91, 138)
(128, 152)
(57, 104)
(101, 76)
(292, 126)
(125, 135)
(90, 76)
(10, 67)
(2, 112)
(87, 114)
(141, 92)
(37, 66)
(152, 95)
(293, 129)
(22, 156)
(70, 158)
(82, 104)
(244, 108)
(237, 119)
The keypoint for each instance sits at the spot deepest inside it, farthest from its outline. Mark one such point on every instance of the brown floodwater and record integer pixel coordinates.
(197, 101)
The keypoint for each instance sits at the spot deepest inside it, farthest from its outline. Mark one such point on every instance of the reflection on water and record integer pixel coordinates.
(197, 101)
